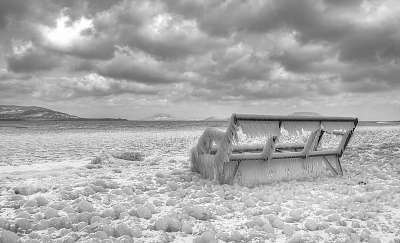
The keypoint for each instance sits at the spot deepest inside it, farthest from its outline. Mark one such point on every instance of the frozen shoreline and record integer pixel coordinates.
(142, 200)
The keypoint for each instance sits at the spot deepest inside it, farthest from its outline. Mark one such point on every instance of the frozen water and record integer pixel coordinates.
(55, 198)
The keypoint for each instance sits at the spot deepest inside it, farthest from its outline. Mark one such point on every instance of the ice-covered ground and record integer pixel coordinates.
(160, 200)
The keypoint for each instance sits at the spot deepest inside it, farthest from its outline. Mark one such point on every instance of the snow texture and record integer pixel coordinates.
(160, 200)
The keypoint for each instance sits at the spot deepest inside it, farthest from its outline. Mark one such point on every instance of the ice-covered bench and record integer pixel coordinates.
(257, 149)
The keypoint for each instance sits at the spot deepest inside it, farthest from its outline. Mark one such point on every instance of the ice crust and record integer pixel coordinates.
(160, 200)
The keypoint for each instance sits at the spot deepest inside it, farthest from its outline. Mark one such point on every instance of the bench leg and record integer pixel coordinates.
(339, 166)
(330, 167)
(229, 172)
(337, 169)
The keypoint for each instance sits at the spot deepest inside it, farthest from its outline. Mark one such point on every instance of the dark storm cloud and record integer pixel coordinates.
(19, 13)
(387, 76)
(32, 60)
(240, 63)
(300, 59)
(308, 17)
(371, 44)
(148, 27)
(173, 46)
(138, 70)
(344, 3)
(210, 50)
(82, 66)
(77, 8)
(12, 9)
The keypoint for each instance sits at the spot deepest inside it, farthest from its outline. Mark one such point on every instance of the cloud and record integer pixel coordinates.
(4, 76)
(344, 3)
(219, 51)
(308, 17)
(167, 36)
(15, 87)
(138, 67)
(374, 44)
(301, 58)
(68, 88)
(147, 26)
(27, 58)
(78, 8)
(91, 85)
(11, 9)
(77, 38)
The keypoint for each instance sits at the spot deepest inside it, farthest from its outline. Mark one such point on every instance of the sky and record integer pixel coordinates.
(199, 58)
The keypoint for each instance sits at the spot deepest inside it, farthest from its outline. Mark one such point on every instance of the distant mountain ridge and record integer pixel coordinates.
(15, 112)
(169, 117)
(305, 113)
(161, 117)
(214, 118)
(36, 113)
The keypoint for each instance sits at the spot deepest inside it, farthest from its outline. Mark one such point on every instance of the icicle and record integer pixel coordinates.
(251, 173)
(194, 160)
(330, 141)
(224, 150)
(298, 127)
(314, 166)
(337, 126)
(263, 129)
(207, 167)
(211, 166)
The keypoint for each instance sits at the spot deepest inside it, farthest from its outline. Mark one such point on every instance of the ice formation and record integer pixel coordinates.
(95, 205)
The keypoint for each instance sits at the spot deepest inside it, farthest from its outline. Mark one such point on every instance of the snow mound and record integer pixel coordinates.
(122, 229)
(198, 212)
(143, 212)
(41, 201)
(206, 237)
(168, 223)
(8, 237)
(84, 206)
(311, 224)
(26, 190)
(50, 213)
(131, 156)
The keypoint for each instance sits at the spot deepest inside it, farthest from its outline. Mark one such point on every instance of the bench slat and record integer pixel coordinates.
(259, 147)
(254, 117)
(283, 155)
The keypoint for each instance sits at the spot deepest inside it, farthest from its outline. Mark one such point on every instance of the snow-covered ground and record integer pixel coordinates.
(160, 200)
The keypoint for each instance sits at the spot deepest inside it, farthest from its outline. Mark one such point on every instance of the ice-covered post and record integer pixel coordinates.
(224, 149)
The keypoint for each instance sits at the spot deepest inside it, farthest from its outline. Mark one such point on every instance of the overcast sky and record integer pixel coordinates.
(194, 59)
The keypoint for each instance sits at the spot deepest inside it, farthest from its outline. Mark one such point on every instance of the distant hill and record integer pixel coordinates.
(305, 113)
(161, 117)
(14, 112)
(213, 118)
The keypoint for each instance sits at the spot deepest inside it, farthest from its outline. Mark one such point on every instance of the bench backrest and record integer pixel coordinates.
(318, 126)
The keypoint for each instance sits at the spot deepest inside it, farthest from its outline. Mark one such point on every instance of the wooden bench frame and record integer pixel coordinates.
(272, 150)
